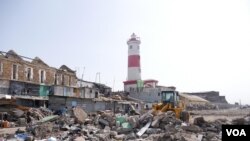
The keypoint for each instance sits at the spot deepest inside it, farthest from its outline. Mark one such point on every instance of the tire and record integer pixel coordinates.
(185, 116)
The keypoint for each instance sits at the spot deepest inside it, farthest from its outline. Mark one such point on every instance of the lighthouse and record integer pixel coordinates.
(134, 83)
(134, 67)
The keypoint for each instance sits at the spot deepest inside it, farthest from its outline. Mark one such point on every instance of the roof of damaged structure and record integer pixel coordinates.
(37, 60)
(107, 99)
(64, 67)
(99, 85)
(13, 54)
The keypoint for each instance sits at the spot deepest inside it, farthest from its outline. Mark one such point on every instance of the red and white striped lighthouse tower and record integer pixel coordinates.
(134, 67)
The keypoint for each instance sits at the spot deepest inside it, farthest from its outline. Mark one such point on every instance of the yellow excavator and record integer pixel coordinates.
(170, 101)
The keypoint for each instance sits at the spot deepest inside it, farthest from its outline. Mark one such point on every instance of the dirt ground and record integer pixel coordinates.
(10, 130)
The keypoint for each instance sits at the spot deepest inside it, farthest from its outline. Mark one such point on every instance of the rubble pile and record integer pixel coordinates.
(242, 121)
(106, 126)
(207, 106)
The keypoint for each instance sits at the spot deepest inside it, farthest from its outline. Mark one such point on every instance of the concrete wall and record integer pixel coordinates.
(75, 92)
(7, 64)
(212, 96)
(58, 102)
(151, 95)
(65, 78)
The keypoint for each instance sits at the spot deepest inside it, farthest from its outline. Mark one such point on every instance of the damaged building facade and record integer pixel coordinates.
(34, 83)
(24, 78)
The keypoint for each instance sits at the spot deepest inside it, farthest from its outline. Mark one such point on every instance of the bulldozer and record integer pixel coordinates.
(170, 101)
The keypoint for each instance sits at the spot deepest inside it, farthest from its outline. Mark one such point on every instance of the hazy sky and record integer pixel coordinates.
(194, 45)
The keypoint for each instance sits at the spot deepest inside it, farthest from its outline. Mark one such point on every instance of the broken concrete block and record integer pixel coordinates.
(79, 139)
(212, 129)
(145, 118)
(120, 137)
(22, 121)
(153, 130)
(103, 137)
(133, 120)
(104, 122)
(80, 115)
(130, 136)
(113, 133)
(192, 128)
(210, 135)
(143, 129)
(144, 136)
(238, 121)
(199, 121)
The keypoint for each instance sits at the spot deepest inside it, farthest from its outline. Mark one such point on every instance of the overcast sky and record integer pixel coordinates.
(195, 45)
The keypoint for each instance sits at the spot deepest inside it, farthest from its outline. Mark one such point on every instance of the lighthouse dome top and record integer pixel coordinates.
(134, 38)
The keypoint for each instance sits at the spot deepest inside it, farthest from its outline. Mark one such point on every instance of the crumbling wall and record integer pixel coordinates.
(148, 94)
(23, 88)
(59, 102)
(22, 65)
(212, 96)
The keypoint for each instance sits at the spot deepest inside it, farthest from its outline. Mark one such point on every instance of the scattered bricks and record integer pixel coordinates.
(169, 128)
(79, 139)
(103, 122)
(144, 136)
(210, 135)
(80, 115)
(133, 120)
(22, 121)
(247, 120)
(212, 129)
(238, 121)
(192, 128)
(113, 133)
(103, 137)
(120, 137)
(155, 123)
(145, 118)
(130, 136)
(153, 130)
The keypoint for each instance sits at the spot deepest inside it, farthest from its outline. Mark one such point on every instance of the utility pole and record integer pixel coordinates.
(113, 85)
(98, 75)
(83, 72)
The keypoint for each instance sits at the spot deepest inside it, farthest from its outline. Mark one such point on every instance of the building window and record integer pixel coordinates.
(131, 47)
(29, 74)
(62, 79)
(55, 82)
(14, 72)
(1, 68)
(96, 94)
(159, 94)
(42, 76)
(69, 80)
